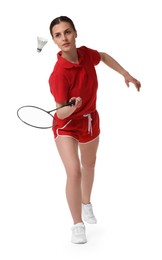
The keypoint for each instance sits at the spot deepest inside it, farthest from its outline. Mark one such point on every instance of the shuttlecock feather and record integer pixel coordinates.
(41, 43)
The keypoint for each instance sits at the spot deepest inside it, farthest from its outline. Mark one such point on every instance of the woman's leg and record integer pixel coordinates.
(68, 150)
(88, 159)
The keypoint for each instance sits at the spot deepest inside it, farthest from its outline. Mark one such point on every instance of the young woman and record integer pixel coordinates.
(77, 126)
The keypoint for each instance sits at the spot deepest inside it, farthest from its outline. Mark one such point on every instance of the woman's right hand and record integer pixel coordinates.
(67, 111)
(78, 102)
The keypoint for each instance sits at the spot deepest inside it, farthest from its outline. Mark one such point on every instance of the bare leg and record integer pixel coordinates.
(68, 150)
(88, 160)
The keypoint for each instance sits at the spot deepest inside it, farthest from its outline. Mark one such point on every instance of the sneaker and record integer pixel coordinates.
(78, 234)
(88, 215)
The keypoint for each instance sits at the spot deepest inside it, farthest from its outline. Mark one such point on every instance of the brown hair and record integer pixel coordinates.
(59, 20)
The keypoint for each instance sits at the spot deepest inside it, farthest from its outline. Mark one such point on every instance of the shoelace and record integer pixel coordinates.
(90, 212)
(78, 230)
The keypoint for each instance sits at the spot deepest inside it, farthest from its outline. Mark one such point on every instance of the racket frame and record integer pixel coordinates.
(70, 103)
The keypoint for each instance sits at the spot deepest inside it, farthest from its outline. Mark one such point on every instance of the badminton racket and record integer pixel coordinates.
(38, 117)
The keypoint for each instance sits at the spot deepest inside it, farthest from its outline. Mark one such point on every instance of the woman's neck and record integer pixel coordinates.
(71, 56)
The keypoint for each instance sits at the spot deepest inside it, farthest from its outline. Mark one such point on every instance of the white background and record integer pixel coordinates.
(34, 218)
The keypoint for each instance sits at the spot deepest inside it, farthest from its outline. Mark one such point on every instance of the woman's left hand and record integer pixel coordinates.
(130, 79)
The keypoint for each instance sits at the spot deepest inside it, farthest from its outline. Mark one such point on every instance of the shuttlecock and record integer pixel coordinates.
(40, 43)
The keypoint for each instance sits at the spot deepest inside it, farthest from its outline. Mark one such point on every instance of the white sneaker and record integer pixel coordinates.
(88, 215)
(78, 234)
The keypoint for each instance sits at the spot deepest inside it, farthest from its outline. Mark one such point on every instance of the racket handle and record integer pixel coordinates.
(70, 103)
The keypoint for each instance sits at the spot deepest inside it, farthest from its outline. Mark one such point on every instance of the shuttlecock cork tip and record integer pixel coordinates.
(39, 50)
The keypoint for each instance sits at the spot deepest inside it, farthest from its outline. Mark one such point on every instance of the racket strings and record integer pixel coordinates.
(36, 117)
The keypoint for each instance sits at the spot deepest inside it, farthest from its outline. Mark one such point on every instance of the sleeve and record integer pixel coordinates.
(59, 86)
(93, 55)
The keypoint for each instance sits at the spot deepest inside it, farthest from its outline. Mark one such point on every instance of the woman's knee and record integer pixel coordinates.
(73, 173)
(89, 164)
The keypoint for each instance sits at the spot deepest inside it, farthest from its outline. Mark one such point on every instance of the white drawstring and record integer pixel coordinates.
(89, 122)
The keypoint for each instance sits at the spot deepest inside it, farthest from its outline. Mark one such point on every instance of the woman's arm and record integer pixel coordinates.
(113, 64)
(68, 110)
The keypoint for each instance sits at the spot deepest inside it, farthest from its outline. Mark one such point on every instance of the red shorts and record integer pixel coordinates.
(84, 129)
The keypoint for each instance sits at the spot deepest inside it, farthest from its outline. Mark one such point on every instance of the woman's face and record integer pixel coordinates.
(64, 36)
